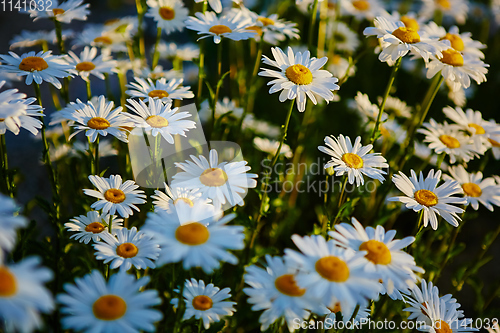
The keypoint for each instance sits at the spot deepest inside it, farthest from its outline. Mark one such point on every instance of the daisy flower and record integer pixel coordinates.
(185, 52)
(88, 63)
(222, 107)
(172, 195)
(362, 9)
(169, 15)
(367, 110)
(92, 226)
(63, 12)
(33, 38)
(208, 25)
(98, 119)
(473, 123)
(424, 194)
(353, 159)
(476, 189)
(260, 127)
(457, 69)
(340, 66)
(454, 9)
(115, 196)
(448, 139)
(445, 318)
(328, 271)
(391, 131)
(10, 222)
(396, 107)
(38, 67)
(10, 105)
(221, 182)
(271, 27)
(161, 89)
(157, 73)
(94, 305)
(299, 75)
(129, 248)
(344, 38)
(97, 35)
(396, 268)
(26, 121)
(274, 289)
(424, 298)
(125, 25)
(23, 295)
(82, 148)
(397, 40)
(461, 42)
(271, 146)
(202, 243)
(158, 118)
(206, 302)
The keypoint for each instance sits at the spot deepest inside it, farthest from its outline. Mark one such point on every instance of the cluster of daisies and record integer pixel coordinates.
(337, 276)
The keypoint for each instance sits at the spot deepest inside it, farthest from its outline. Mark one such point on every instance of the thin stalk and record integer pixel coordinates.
(89, 89)
(395, 69)
(122, 78)
(219, 60)
(253, 89)
(283, 135)
(312, 26)
(60, 41)
(201, 63)
(341, 201)
(96, 157)
(180, 305)
(429, 98)
(140, 30)
(450, 247)
(5, 166)
(109, 91)
(156, 54)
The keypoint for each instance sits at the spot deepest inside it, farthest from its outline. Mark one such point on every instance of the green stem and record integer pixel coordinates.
(395, 69)
(450, 247)
(283, 135)
(312, 26)
(156, 54)
(341, 199)
(5, 166)
(96, 157)
(60, 41)
(219, 60)
(201, 70)
(140, 30)
(180, 304)
(89, 90)
(109, 92)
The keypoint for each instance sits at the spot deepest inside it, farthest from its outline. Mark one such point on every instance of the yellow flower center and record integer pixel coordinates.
(361, 5)
(336, 59)
(192, 234)
(157, 121)
(286, 285)
(186, 200)
(426, 198)
(103, 40)
(299, 74)
(410, 23)
(472, 190)
(220, 29)
(352, 160)
(442, 327)
(98, 123)
(95, 227)
(449, 141)
(255, 28)
(114, 195)
(333, 269)
(479, 129)
(444, 3)
(494, 143)
(109, 307)
(31, 64)
(202, 302)
(378, 253)
(127, 250)
(452, 57)
(167, 13)
(456, 42)
(336, 308)
(8, 283)
(85, 66)
(158, 93)
(265, 21)
(58, 11)
(407, 35)
(213, 177)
